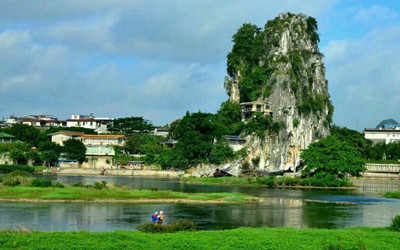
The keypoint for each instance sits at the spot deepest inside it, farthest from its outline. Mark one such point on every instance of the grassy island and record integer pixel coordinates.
(271, 181)
(114, 194)
(241, 238)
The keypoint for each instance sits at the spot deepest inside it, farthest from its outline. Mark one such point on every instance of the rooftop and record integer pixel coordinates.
(4, 135)
(103, 136)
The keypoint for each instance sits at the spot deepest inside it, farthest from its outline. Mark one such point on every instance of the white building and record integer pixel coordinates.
(99, 124)
(387, 133)
(39, 121)
(62, 136)
(161, 131)
(249, 108)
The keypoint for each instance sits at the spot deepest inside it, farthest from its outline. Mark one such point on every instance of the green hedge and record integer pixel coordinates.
(11, 168)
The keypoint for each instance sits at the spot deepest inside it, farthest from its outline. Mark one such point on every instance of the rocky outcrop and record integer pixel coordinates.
(295, 75)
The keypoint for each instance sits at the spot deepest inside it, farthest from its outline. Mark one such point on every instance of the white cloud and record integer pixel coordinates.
(375, 14)
(363, 77)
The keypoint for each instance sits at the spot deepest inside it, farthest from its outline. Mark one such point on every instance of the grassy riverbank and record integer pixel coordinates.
(241, 238)
(37, 194)
(395, 194)
(271, 181)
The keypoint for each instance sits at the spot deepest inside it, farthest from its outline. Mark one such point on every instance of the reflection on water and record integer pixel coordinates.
(279, 207)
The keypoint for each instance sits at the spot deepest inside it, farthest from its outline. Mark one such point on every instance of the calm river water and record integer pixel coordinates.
(284, 207)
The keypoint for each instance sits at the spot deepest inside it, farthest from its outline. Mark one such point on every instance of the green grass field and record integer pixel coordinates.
(241, 238)
(83, 193)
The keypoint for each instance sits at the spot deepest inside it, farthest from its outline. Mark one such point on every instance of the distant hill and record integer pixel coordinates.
(387, 121)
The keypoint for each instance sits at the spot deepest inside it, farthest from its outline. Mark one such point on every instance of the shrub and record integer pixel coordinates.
(1, 180)
(79, 184)
(100, 185)
(153, 189)
(396, 223)
(16, 178)
(268, 181)
(184, 225)
(5, 168)
(59, 185)
(41, 183)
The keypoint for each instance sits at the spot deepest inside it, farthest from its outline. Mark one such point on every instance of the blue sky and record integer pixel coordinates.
(158, 59)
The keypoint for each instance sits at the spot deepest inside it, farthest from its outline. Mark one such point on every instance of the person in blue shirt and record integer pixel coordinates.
(154, 218)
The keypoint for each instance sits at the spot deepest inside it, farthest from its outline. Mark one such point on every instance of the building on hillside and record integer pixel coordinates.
(161, 131)
(38, 121)
(387, 133)
(62, 136)
(100, 150)
(99, 124)
(235, 142)
(6, 138)
(249, 108)
(103, 140)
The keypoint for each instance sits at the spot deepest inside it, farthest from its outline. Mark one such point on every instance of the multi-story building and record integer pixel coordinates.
(248, 108)
(62, 136)
(99, 124)
(387, 133)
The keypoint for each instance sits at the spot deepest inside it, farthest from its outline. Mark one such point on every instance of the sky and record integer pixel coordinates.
(159, 59)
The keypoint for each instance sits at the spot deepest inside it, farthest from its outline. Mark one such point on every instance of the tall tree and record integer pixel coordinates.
(74, 150)
(332, 157)
(129, 125)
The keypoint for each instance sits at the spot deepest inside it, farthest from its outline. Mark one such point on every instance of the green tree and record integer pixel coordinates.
(26, 133)
(34, 157)
(49, 157)
(332, 158)
(74, 150)
(48, 145)
(354, 138)
(221, 153)
(18, 157)
(129, 125)
(230, 118)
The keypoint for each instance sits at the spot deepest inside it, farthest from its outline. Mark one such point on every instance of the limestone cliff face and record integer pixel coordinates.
(298, 94)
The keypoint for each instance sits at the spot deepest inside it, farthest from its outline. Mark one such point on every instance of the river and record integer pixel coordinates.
(281, 207)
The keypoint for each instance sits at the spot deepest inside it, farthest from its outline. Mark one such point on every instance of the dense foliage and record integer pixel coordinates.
(129, 125)
(331, 158)
(4, 168)
(74, 150)
(26, 133)
(200, 140)
(271, 181)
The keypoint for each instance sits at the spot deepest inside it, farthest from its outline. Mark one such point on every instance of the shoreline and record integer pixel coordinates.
(117, 172)
(127, 201)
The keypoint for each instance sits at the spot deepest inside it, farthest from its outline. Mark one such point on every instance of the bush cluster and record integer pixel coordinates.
(396, 223)
(96, 185)
(5, 168)
(184, 225)
(41, 183)
(272, 181)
